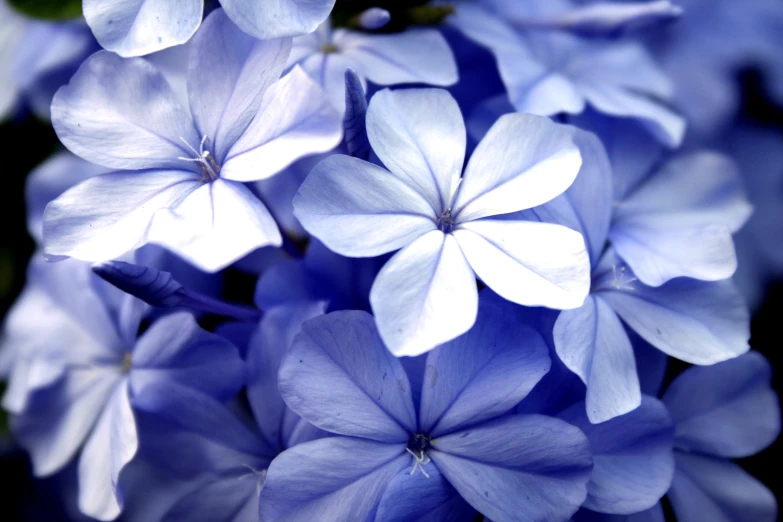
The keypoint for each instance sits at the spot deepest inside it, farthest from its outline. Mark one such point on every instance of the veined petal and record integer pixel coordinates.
(215, 225)
(106, 216)
(413, 56)
(424, 296)
(520, 468)
(728, 409)
(360, 210)
(484, 373)
(522, 162)
(228, 74)
(122, 114)
(139, 27)
(419, 135)
(339, 376)
(276, 18)
(533, 264)
(112, 445)
(328, 71)
(335, 478)
(694, 321)
(592, 342)
(295, 119)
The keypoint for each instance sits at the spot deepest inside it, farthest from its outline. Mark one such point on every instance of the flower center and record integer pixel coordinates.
(329, 48)
(127, 362)
(418, 445)
(617, 280)
(209, 168)
(445, 222)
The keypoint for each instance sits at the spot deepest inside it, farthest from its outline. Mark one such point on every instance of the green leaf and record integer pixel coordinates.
(48, 9)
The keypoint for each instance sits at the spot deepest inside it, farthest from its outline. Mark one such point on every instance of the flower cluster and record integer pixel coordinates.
(480, 229)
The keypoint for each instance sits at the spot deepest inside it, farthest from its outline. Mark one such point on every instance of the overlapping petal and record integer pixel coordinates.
(277, 18)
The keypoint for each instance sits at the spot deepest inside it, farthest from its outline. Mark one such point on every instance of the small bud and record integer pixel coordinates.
(154, 287)
(354, 124)
(374, 18)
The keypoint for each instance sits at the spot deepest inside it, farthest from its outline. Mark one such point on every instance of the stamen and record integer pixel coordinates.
(445, 222)
(419, 461)
(209, 167)
(621, 283)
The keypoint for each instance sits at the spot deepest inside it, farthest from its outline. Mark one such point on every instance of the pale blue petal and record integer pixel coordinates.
(695, 321)
(633, 457)
(419, 135)
(336, 478)
(727, 410)
(228, 74)
(139, 27)
(529, 263)
(436, 302)
(522, 162)
(215, 225)
(718, 490)
(592, 342)
(339, 376)
(98, 117)
(484, 373)
(522, 467)
(276, 18)
(360, 210)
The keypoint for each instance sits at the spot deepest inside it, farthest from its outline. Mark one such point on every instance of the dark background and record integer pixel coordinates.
(26, 142)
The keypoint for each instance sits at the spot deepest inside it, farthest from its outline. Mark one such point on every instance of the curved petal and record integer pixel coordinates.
(522, 467)
(338, 375)
(139, 27)
(276, 18)
(424, 296)
(335, 478)
(413, 56)
(718, 490)
(112, 445)
(328, 71)
(294, 120)
(592, 342)
(522, 162)
(697, 322)
(533, 264)
(228, 499)
(633, 457)
(176, 349)
(215, 225)
(228, 74)
(122, 114)
(727, 410)
(419, 135)
(415, 497)
(360, 210)
(484, 373)
(106, 216)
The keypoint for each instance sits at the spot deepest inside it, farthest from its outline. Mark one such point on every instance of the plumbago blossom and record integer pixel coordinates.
(186, 189)
(454, 318)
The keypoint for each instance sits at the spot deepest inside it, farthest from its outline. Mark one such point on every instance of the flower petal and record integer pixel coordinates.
(522, 467)
(695, 321)
(592, 342)
(360, 210)
(215, 225)
(228, 499)
(276, 18)
(419, 135)
(112, 445)
(522, 162)
(98, 117)
(228, 74)
(484, 373)
(727, 410)
(139, 27)
(424, 296)
(338, 375)
(295, 120)
(335, 478)
(633, 457)
(533, 264)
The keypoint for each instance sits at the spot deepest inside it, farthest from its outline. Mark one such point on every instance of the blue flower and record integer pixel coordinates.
(675, 222)
(75, 376)
(423, 443)
(426, 294)
(144, 26)
(551, 72)
(183, 185)
(413, 56)
(196, 438)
